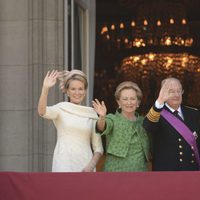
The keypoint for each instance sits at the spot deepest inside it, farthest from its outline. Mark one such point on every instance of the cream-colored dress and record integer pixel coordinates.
(76, 137)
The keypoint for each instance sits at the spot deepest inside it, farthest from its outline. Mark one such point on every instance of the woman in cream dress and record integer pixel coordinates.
(78, 147)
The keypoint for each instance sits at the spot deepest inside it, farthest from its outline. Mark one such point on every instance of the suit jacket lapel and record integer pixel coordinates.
(185, 116)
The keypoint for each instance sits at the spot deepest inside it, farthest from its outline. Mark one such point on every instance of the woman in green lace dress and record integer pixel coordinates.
(127, 144)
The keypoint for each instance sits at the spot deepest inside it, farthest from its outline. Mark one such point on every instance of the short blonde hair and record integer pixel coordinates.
(128, 85)
(65, 77)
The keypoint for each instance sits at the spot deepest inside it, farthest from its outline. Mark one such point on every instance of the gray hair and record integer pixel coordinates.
(170, 79)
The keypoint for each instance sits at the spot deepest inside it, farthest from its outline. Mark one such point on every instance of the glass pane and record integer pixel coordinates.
(78, 36)
(69, 36)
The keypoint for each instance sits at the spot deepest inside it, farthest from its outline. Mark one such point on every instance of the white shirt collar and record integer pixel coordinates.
(172, 110)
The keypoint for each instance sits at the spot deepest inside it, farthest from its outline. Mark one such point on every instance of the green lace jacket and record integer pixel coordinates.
(119, 132)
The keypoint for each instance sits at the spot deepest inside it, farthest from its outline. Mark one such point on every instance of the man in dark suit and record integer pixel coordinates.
(175, 130)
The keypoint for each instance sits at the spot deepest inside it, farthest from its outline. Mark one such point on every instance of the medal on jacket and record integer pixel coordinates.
(195, 135)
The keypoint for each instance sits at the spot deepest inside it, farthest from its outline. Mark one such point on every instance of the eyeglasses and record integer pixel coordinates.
(178, 92)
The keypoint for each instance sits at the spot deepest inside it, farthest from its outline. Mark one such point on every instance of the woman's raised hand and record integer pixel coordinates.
(50, 79)
(99, 107)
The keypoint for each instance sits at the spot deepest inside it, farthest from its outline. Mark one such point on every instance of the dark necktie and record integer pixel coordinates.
(177, 115)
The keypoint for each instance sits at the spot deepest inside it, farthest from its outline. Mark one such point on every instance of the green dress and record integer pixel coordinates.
(127, 144)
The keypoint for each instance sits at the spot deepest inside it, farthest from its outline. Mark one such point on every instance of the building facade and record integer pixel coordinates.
(37, 36)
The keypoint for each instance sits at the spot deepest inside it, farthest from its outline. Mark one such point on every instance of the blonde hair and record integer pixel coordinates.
(65, 77)
(128, 85)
